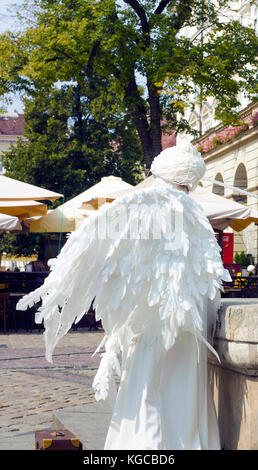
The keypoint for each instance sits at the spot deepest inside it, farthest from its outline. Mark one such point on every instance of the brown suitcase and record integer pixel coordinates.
(48, 439)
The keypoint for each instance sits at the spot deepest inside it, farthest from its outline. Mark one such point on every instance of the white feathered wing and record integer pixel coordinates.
(125, 257)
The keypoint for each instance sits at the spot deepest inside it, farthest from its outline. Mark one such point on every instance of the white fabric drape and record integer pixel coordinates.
(167, 403)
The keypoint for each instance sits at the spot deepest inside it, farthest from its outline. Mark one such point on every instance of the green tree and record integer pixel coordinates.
(242, 259)
(22, 244)
(109, 46)
(66, 150)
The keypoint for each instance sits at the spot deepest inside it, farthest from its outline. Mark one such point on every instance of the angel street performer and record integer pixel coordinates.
(152, 262)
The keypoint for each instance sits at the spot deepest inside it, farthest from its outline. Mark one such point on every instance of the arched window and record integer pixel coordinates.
(216, 188)
(206, 118)
(240, 181)
(194, 120)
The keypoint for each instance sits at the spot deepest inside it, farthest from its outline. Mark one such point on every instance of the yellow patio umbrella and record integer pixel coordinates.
(240, 224)
(23, 209)
(19, 199)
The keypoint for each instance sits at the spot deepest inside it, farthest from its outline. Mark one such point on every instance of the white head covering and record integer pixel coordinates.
(181, 164)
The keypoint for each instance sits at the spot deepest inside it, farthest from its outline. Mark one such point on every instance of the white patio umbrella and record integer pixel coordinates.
(68, 216)
(14, 190)
(220, 211)
(9, 223)
(223, 212)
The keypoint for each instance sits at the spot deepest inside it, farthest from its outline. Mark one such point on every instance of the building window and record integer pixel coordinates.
(216, 188)
(194, 121)
(240, 181)
(193, 124)
(206, 118)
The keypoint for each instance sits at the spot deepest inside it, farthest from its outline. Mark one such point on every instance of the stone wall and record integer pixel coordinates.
(235, 380)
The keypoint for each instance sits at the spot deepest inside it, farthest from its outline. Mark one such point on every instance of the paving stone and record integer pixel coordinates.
(33, 389)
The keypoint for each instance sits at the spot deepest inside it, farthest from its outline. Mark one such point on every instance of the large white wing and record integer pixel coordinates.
(149, 258)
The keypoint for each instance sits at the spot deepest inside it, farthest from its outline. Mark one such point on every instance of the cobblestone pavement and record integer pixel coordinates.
(32, 388)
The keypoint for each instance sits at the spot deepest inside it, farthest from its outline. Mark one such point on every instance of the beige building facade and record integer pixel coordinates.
(236, 163)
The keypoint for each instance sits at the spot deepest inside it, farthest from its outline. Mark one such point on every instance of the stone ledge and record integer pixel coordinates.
(238, 322)
(236, 338)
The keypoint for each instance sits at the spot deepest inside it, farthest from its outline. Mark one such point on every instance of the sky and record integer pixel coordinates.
(8, 18)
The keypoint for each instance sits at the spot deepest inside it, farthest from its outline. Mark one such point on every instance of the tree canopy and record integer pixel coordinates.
(22, 244)
(66, 150)
(110, 48)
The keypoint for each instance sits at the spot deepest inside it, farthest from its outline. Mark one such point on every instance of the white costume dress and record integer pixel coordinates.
(153, 264)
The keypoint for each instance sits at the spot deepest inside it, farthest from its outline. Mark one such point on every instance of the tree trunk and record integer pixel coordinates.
(155, 119)
(149, 130)
(78, 113)
(143, 129)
